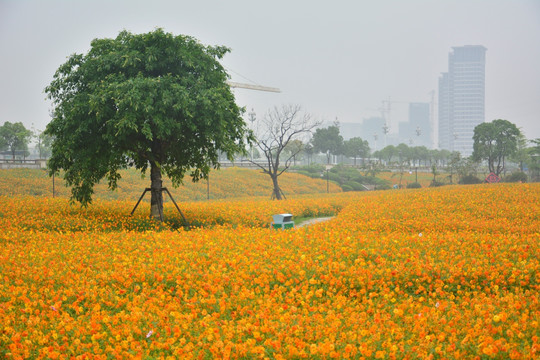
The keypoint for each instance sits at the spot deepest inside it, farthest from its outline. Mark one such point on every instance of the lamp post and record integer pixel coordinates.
(252, 117)
(328, 167)
(386, 130)
(327, 181)
(400, 169)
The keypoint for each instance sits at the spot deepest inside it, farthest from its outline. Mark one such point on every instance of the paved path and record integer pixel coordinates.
(314, 221)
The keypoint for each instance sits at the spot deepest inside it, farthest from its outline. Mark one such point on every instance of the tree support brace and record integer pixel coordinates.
(273, 196)
(160, 214)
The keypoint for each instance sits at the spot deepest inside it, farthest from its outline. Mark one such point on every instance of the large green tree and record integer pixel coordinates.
(534, 159)
(43, 143)
(521, 155)
(153, 101)
(386, 153)
(494, 142)
(356, 147)
(328, 141)
(14, 137)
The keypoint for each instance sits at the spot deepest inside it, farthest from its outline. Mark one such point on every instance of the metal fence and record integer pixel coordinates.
(19, 163)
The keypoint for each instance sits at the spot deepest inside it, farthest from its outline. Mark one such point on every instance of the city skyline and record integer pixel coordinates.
(462, 98)
(336, 60)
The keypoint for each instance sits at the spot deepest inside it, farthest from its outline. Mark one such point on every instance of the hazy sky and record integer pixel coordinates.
(334, 58)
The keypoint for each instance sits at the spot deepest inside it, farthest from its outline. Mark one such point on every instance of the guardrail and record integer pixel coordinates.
(26, 164)
(243, 164)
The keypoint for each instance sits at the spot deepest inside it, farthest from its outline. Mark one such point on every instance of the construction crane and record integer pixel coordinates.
(252, 87)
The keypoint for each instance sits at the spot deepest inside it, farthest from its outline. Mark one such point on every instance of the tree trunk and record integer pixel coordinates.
(277, 190)
(156, 201)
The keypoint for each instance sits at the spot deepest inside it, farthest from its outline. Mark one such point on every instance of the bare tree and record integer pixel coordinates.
(277, 129)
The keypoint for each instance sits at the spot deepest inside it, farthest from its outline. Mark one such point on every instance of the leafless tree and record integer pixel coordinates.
(278, 128)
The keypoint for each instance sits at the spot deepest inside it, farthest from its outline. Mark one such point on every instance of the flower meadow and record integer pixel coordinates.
(222, 184)
(441, 273)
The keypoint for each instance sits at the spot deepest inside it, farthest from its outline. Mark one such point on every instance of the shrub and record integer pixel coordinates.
(470, 179)
(315, 169)
(436, 184)
(346, 187)
(333, 177)
(516, 177)
(356, 185)
(414, 185)
(304, 172)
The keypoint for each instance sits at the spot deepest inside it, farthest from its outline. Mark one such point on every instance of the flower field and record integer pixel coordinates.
(224, 183)
(410, 176)
(442, 273)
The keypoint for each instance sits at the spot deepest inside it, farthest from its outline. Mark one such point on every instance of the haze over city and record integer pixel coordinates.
(336, 59)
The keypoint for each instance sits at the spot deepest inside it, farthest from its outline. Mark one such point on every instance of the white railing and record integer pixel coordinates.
(19, 163)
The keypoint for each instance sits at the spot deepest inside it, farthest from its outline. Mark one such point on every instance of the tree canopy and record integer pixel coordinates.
(494, 142)
(328, 140)
(152, 100)
(356, 147)
(14, 137)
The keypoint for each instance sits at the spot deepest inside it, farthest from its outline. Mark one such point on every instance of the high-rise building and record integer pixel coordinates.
(350, 130)
(417, 131)
(372, 128)
(462, 98)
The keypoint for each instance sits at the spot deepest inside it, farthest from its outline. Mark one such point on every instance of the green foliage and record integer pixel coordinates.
(356, 186)
(404, 153)
(516, 177)
(414, 185)
(470, 180)
(293, 147)
(314, 168)
(533, 161)
(150, 100)
(494, 142)
(436, 183)
(14, 137)
(356, 147)
(43, 144)
(333, 177)
(349, 178)
(386, 153)
(304, 172)
(347, 187)
(521, 156)
(328, 141)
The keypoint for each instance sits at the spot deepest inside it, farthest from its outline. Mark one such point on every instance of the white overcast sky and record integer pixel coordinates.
(337, 59)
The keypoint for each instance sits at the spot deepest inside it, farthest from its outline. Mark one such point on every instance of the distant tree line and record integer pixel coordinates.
(15, 138)
(495, 144)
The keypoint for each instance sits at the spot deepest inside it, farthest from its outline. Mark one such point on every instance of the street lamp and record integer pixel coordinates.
(252, 117)
(328, 167)
(386, 130)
